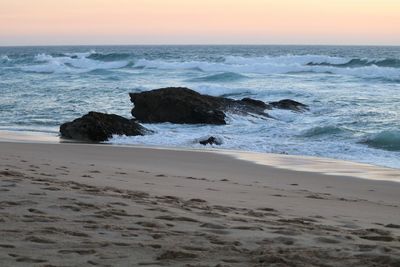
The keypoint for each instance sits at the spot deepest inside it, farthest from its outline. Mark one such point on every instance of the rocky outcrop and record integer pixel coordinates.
(182, 105)
(290, 105)
(256, 103)
(98, 127)
(210, 141)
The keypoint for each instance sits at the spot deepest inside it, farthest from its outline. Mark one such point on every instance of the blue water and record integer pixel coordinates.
(353, 92)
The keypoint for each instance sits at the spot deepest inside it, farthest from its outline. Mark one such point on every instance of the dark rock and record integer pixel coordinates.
(211, 141)
(176, 105)
(256, 103)
(290, 105)
(98, 127)
(391, 225)
(182, 105)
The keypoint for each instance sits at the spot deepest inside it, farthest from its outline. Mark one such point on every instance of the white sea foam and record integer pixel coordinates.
(288, 133)
(288, 59)
(246, 133)
(74, 63)
(4, 58)
(277, 65)
(350, 118)
(82, 54)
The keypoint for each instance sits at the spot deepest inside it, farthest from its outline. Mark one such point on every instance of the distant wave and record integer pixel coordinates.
(322, 130)
(356, 62)
(109, 57)
(387, 140)
(71, 63)
(230, 68)
(291, 64)
(285, 60)
(4, 58)
(220, 77)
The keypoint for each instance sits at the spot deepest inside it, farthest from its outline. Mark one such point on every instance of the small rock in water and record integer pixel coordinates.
(211, 141)
(290, 105)
(256, 103)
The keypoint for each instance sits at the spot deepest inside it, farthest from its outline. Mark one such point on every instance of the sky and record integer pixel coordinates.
(89, 22)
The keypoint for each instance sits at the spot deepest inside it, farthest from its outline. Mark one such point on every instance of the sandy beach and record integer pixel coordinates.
(103, 205)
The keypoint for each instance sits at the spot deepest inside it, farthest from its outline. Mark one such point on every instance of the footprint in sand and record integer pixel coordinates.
(47, 174)
(179, 218)
(287, 232)
(213, 226)
(327, 240)
(6, 246)
(69, 207)
(150, 224)
(176, 255)
(288, 241)
(40, 240)
(34, 167)
(8, 173)
(374, 234)
(314, 196)
(391, 225)
(30, 260)
(117, 204)
(77, 251)
(36, 211)
(51, 188)
(268, 209)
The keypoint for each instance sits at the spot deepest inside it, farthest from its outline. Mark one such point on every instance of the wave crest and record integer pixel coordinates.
(220, 77)
(4, 58)
(387, 140)
(322, 130)
(71, 63)
(291, 64)
(109, 57)
(356, 62)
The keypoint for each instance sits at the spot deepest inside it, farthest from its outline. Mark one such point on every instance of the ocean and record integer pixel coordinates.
(353, 93)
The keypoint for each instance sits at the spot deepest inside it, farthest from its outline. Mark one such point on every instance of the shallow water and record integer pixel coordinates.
(353, 92)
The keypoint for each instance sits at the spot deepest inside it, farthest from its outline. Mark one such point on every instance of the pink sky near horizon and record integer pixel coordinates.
(45, 22)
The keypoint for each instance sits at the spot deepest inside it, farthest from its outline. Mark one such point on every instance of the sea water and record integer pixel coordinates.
(353, 93)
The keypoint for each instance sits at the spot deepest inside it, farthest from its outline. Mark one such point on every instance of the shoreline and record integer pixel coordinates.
(302, 163)
(111, 205)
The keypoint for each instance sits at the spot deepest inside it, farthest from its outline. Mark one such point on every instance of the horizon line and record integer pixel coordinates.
(200, 44)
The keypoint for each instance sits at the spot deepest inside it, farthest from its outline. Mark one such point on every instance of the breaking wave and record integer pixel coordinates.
(230, 68)
(71, 63)
(322, 130)
(355, 62)
(345, 103)
(383, 69)
(220, 77)
(4, 58)
(387, 140)
(109, 57)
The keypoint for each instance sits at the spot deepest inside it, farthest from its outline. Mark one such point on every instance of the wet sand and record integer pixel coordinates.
(101, 205)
